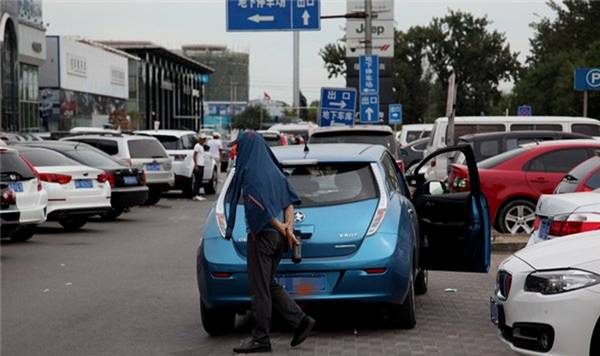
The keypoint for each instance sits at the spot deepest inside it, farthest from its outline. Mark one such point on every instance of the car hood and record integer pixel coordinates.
(576, 251)
(553, 204)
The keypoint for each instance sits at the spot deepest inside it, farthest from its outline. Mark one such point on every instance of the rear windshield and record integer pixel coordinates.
(146, 149)
(501, 158)
(170, 142)
(41, 157)
(93, 158)
(383, 139)
(331, 184)
(12, 168)
(412, 135)
(570, 182)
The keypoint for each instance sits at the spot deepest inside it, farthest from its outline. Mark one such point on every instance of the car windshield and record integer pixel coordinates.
(501, 158)
(384, 139)
(93, 158)
(41, 157)
(12, 167)
(146, 149)
(169, 142)
(331, 184)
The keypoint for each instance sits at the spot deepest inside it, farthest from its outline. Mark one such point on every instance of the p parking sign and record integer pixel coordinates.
(587, 79)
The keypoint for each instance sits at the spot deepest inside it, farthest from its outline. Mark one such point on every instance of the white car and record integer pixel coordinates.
(75, 192)
(141, 152)
(413, 132)
(547, 298)
(30, 196)
(180, 147)
(559, 215)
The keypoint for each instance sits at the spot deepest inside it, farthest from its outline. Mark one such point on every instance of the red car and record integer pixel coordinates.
(513, 181)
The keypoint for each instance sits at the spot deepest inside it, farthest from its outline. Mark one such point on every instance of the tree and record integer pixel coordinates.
(559, 46)
(334, 56)
(251, 118)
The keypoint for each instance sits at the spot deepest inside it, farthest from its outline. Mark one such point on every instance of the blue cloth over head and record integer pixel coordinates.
(259, 178)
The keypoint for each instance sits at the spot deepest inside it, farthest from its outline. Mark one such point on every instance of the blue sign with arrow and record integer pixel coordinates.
(273, 15)
(369, 108)
(338, 105)
(587, 79)
(395, 114)
(369, 74)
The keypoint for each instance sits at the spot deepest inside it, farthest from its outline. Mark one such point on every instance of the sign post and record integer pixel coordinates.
(276, 15)
(587, 79)
(338, 106)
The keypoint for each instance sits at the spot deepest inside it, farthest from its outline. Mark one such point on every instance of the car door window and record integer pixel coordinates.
(489, 148)
(586, 129)
(593, 181)
(558, 161)
(108, 146)
(391, 174)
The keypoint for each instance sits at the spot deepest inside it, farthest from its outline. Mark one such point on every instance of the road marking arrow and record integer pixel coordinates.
(340, 104)
(259, 18)
(369, 113)
(305, 17)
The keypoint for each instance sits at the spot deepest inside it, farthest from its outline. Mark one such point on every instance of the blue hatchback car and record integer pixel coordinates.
(365, 237)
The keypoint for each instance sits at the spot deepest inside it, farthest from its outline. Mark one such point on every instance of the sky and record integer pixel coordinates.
(172, 23)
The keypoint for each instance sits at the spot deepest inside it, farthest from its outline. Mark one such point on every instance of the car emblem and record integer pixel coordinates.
(12, 177)
(85, 174)
(298, 216)
(348, 235)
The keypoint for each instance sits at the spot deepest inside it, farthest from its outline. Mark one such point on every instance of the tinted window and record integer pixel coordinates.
(535, 127)
(594, 181)
(146, 149)
(521, 127)
(41, 157)
(383, 139)
(412, 135)
(501, 158)
(189, 141)
(170, 142)
(390, 172)
(467, 129)
(548, 127)
(558, 161)
(12, 164)
(331, 184)
(93, 158)
(489, 148)
(586, 129)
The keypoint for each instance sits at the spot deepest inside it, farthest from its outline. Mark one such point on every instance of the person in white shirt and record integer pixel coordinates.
(215, 147)
(198, 167)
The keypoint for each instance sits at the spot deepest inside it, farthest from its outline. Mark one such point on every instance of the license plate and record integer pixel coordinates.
(303, 284)
(16, 186)
(494, 315)
(153, 167)
(130, 180)
(83, 183)
(544, 229)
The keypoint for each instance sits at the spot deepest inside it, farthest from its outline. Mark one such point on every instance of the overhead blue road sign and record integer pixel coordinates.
(524, 110)
(338, 105)
(395, 114)
(273, 15)
(369, 108)
(369, 74)
(587, 79)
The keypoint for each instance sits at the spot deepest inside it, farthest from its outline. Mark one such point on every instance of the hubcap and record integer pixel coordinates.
(519, 219)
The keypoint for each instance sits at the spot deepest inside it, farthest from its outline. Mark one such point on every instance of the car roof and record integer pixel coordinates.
(330, 152)
(116, 137)
(65, 145)
(518, 119)
(574, 142)
(492, 135)
(417, 126)
(177, 133)
(359, 128)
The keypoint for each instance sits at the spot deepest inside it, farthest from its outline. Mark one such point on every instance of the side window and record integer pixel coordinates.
(511, 144)
(489, 148)
(586, 129)
(594, 181)
(548, 127)
(559, 161)
(108, 146)
(521, 127)
(390, 172)
(188, 142)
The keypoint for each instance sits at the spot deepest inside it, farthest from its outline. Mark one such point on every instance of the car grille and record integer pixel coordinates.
(503, 283)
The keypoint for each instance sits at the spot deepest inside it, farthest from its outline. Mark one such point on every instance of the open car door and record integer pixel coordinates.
(453, 216)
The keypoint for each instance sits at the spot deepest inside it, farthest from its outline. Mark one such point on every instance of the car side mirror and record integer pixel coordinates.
(435, 187)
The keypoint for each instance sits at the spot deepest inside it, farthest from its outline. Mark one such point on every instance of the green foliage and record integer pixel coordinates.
(558, 47)
(251, 118)
(334, 56)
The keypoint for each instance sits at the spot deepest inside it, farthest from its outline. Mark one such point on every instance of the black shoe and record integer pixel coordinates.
(303, 330)
(252, 346)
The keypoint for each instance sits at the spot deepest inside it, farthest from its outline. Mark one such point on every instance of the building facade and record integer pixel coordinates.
(23, 51)
(231, 79)
(165, 88)
(83, 83)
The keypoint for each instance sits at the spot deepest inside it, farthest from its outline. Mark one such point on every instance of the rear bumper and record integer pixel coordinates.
(161, 187)
(9, 222)
(33, 216)
(122, 198)
(77, 213)
(344, 278)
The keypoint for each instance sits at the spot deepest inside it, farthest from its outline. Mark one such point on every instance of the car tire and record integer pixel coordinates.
(403, 316)
(23, 233)
(595, 344)
(421, 282)
(216, 321)
(188, 188)
(516, 210)
(153, 197)
(112, 214)
(73, 224)
(211, 186)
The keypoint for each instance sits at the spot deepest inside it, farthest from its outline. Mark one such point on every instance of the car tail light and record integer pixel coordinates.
(221, 274)
(382, 205)
(283, 140)
(142, 177)
(8, 197)
(585, 188)
(179, 157)
(107, 177)
(55, 178)
(221, 223)
(569, 224)
(375, 270)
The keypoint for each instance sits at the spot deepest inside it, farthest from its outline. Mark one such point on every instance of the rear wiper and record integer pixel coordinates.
(570, 178)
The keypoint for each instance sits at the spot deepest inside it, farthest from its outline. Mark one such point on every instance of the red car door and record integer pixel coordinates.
(546, 170)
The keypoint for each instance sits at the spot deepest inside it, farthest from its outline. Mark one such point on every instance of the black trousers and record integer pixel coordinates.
(198, 176)
(264, 252)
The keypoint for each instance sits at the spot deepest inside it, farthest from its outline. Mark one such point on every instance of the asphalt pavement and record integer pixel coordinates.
(129, 288)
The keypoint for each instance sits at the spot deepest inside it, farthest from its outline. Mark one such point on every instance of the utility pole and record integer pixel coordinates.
(585, 103)
(368, 28)
(296, 93)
